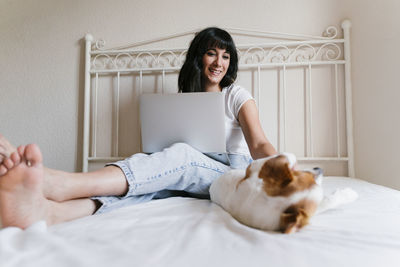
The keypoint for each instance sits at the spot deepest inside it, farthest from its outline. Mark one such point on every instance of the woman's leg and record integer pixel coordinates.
(61, 186)
(22, 201)
(69, 210)
(177, 168)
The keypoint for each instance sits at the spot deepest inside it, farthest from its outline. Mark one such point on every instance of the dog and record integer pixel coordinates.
(270, 194)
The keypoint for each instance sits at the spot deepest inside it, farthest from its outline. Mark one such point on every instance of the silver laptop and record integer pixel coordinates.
(197, 119)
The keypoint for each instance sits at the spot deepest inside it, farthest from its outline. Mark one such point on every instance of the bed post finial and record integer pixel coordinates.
(346, 24)
(88, 37)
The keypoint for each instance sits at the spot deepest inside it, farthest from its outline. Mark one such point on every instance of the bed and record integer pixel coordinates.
(186, 231)
(302, 85)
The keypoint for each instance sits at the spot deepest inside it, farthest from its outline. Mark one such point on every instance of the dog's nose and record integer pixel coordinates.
(318, 171)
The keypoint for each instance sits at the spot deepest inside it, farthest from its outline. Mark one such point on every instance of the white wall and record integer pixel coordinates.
(376, 90)
(41, 63)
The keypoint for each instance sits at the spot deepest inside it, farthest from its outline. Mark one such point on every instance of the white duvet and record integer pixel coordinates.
(194, 232)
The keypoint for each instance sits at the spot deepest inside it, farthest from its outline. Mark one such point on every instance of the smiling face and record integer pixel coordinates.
(215, 65)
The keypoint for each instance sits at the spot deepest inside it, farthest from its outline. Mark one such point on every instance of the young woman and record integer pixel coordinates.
(29, 192)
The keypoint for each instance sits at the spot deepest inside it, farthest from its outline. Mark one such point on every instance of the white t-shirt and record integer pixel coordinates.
(235, 97)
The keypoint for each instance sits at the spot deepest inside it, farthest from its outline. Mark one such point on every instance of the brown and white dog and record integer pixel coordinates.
(270, 194)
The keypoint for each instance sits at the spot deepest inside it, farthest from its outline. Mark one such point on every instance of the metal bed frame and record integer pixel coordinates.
(290, 51)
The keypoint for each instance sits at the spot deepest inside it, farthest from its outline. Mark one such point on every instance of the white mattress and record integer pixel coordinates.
(194, 232)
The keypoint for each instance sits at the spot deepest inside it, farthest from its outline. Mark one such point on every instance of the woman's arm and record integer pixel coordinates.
(258, 144)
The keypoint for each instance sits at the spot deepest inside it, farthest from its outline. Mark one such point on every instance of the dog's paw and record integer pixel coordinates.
(337, 198)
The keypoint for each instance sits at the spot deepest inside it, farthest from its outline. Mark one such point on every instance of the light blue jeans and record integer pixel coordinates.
(179, 170)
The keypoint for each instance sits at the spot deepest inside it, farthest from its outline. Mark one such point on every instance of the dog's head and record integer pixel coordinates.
(281, 179)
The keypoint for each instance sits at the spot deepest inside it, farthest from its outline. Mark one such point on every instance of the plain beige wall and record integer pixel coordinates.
(41, 63)
(376, 90)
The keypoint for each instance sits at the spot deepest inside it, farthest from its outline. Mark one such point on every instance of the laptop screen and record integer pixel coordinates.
(197, 119)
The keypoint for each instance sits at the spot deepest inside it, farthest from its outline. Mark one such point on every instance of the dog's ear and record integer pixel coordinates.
(297, 215)
(276, 174)
(292, 219)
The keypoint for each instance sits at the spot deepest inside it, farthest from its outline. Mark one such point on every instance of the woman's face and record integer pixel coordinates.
(215, 65)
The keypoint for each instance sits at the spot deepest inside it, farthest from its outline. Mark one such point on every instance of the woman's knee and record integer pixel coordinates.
(183, 147)
(187, 151)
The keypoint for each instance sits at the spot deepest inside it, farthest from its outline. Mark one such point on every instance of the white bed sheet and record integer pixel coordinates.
(193, 232)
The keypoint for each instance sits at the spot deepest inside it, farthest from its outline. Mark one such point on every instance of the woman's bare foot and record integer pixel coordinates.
(60, 186)
(54, 183)
(22, 202)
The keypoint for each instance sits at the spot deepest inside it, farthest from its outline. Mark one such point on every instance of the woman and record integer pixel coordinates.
(29, 192)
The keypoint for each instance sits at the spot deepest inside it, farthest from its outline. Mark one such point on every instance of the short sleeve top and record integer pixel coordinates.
(235, 97)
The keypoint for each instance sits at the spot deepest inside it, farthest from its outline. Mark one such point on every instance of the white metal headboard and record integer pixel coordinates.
(281, 53)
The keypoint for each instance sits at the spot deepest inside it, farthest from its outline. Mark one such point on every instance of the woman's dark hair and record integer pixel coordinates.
(190, 76)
